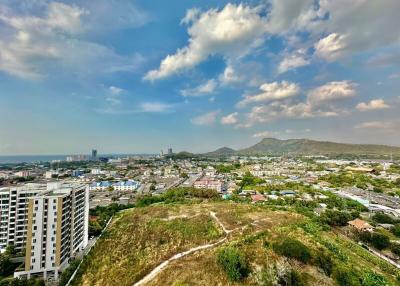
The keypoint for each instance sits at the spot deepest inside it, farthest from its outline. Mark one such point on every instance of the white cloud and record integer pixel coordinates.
(115, 90)
(203, 89)
(331, 47)
(363, 31)
(231, 32)
(293, 61)
(33, 45)
(229, 76)
(206, 119)
(372, 105)
(156, 107)
(388, 126)
(230, 119)
(272, 91)
(264, 134)
(320, 102)
(332, 91)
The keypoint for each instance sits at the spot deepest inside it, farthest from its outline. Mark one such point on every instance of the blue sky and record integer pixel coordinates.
(139, 76)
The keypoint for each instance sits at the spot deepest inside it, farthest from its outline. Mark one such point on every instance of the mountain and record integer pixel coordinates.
(221, 152)
(272, 146)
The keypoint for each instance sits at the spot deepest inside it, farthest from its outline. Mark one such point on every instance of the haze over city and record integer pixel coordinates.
(137, 76)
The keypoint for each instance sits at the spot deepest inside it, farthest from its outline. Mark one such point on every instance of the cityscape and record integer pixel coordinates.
(215, 142)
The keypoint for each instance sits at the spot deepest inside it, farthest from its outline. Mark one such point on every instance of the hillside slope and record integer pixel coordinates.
(313, 147)
(178, 244)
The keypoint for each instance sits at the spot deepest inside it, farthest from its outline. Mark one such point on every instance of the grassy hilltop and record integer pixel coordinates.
(261, 246)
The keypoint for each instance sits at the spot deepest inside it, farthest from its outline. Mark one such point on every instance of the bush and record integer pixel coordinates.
(233, 263)
(324, 261)
(383, 218)
(380, 241)
(292, 278)
(67, 273)
(346, 277)
(376, 239)
(337, 218)
(373, 279)
(395, 248)
(396, 230)
(293, 249)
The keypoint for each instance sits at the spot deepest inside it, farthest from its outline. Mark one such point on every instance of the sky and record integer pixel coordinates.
(128, 76)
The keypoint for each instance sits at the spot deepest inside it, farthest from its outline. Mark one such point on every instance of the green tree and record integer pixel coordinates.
(293, 248)
(233, 262)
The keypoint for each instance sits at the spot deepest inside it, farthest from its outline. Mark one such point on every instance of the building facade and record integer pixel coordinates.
(52, 225)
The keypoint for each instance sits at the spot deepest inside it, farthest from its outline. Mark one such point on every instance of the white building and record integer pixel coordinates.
(49, 221)
(14, 214)
(209, 184)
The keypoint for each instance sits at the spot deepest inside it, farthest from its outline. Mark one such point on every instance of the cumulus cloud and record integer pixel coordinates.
(374, 104)
(231, 32)
(206, 119)
(332, 91)
(203, 89)
(293, 61)
(34, 43)
(331, 47)
(272, 91)
(264, 134)
(230, 119)
(319, 102)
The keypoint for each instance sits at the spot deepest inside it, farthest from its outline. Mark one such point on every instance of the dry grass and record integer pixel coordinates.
(140, 239)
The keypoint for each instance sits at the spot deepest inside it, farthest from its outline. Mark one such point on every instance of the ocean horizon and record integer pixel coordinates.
(18, 159)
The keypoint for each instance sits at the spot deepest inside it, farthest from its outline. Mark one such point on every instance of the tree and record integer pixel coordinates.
(336, 218)
(383, 218)
(293, 248)
(184, 175)
(6, 266)
(380, 241)
(233, 262)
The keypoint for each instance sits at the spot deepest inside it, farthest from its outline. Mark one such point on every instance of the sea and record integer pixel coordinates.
(17, 159)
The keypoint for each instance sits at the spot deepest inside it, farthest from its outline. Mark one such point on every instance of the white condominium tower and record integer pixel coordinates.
(14, 214)
(56, 227)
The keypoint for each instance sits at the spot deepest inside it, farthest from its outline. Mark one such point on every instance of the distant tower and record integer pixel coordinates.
(169, 151)
(94, 154)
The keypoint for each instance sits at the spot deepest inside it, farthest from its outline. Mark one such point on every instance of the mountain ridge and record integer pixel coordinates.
(303, 146)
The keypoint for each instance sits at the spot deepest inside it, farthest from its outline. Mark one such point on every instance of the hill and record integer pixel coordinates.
(221, 152)
(272, 146)
(225, 243)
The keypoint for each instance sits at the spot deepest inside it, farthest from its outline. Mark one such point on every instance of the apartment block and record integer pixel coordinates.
(49, 221)
(14, 214)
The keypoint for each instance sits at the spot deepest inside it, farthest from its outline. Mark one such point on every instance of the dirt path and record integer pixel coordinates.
(164, 264)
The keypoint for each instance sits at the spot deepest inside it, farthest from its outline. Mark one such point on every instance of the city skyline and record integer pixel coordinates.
(136, 77)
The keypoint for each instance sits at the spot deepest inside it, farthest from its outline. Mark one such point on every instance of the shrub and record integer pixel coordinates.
(324, 261)
(233, 262)
(293, 249)
(383, 218)
(336, 218)
(395, 248)
(380, 241)
(396, 230)
(346, 277)
(292, 278)
(373, 279)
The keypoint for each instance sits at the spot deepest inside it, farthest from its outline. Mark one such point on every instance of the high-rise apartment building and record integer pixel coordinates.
(53, 228)
(14, 214)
